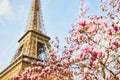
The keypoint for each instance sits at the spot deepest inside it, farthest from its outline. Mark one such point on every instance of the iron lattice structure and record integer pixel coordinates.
(33, 45)
(35, 18)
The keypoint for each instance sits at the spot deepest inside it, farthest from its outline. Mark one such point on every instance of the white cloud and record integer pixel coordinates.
(5, 9)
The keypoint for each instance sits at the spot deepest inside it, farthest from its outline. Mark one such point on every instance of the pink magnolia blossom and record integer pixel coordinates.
(91, 63)
(59, 58)
(115, 43)
(115, 28)
(109, 76)
(34, 77)
(86, 48)
(110, 31)
(102, 7)
(42, 74)
(111, 47)
(86, 72)
(71, 50)
(94, 54)
(99, 53)
(82, 23)
(38, 63)
(16, 77)
(28, 78)
(82, 36)
(82, 77)
(22, 78)
(55, 67)
(79, 54)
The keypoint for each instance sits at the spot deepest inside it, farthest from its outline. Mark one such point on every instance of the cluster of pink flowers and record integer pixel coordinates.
(92, 51)
(95, 42)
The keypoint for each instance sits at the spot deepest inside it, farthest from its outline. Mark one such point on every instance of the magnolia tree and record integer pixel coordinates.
(55, 67)
(92, 51)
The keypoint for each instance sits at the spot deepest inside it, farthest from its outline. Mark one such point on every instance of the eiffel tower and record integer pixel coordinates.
(33, 45)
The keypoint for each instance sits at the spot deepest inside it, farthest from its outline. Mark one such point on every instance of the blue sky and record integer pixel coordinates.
(58, 15)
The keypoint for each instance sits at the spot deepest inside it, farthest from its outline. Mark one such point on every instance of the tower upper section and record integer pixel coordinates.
(34, 42)
(35, 20)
